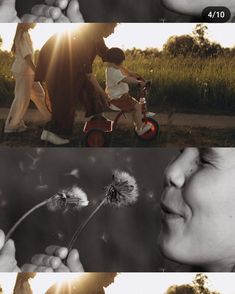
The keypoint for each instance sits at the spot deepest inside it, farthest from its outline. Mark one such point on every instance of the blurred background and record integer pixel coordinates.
(118, 239)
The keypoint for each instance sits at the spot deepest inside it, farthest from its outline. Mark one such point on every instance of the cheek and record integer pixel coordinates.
(211, 191)
(208, 232)
(211, 197)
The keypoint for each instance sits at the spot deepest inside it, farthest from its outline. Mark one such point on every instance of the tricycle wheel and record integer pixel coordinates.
(153, 132)
(95, 138)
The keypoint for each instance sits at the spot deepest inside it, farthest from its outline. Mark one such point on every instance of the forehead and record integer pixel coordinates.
(219, 151)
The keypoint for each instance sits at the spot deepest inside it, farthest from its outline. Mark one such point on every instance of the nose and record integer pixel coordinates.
(175, 175)
(182, 168)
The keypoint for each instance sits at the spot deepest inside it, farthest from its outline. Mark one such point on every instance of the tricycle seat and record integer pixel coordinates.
(99, 123)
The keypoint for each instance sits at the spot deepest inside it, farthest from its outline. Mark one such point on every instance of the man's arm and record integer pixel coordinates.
(98, 89)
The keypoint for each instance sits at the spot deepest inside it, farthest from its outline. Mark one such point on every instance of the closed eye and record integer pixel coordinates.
(207, 157)
(204, 161)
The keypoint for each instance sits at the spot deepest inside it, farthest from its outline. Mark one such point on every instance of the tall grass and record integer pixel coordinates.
(178, 84)
(186, 84)
(6, 79)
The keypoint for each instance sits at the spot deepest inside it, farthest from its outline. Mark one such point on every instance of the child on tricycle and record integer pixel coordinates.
(117, 87)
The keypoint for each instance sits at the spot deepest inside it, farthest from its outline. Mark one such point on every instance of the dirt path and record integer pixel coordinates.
(177, 119)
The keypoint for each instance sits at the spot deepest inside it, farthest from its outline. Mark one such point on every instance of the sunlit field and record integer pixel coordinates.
(185, 84)
(180, 84)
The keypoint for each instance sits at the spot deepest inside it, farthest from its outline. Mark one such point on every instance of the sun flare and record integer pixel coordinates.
(143, 35)
(42, 282)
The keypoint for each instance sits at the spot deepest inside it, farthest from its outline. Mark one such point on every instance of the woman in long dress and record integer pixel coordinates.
(23, 70)
(22, 285)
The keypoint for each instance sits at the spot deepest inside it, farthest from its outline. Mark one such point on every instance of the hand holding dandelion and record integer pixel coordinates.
(123, 191)
(66, 199)
(55, 11)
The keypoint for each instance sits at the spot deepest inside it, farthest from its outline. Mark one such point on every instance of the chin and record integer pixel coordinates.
(173, 251)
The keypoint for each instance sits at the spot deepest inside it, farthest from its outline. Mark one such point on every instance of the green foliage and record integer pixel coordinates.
(188, 84)
(198, 286)
(182, 289)
(195, 45)
(190, 74)
(6, 79)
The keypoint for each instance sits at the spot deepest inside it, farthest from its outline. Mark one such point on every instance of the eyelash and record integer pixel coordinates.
(203, 161)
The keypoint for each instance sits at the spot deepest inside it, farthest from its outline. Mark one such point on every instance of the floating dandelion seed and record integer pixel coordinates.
(22, 166)
(128, 159)
(104, 237)
(123, 191)
(74, 173)
(150, 194)
(35, 161)
(39, 151)
(92, 159)
(41, 187)
(72, 198)
(3, 203)
(60, 235)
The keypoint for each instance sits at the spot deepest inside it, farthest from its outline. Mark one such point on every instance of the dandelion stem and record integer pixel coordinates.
(84, 224)
(14, 227)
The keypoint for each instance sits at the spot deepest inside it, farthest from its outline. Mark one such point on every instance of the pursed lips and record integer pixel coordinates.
(169, 212)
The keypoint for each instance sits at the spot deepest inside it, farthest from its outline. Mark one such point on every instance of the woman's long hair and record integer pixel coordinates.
(20, 29)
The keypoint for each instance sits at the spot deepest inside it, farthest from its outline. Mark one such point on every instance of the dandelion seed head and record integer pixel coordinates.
(123, 190)
(68, 199)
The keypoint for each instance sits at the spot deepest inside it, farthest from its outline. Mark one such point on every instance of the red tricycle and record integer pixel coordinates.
(98, 129)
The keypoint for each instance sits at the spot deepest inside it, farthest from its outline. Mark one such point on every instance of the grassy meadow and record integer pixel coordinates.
(179, 84)
(185, 84)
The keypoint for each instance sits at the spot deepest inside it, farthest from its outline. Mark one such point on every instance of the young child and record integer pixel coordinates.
(117, 89)
(48, 11)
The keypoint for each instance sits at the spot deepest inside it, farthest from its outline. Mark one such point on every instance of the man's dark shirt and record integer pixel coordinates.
(69, 55)
(77, 286)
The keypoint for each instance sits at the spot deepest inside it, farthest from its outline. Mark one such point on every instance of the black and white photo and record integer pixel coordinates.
(160, 210)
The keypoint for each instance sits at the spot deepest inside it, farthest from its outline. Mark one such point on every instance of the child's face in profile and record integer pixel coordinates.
(195, 7)
(198, 209)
